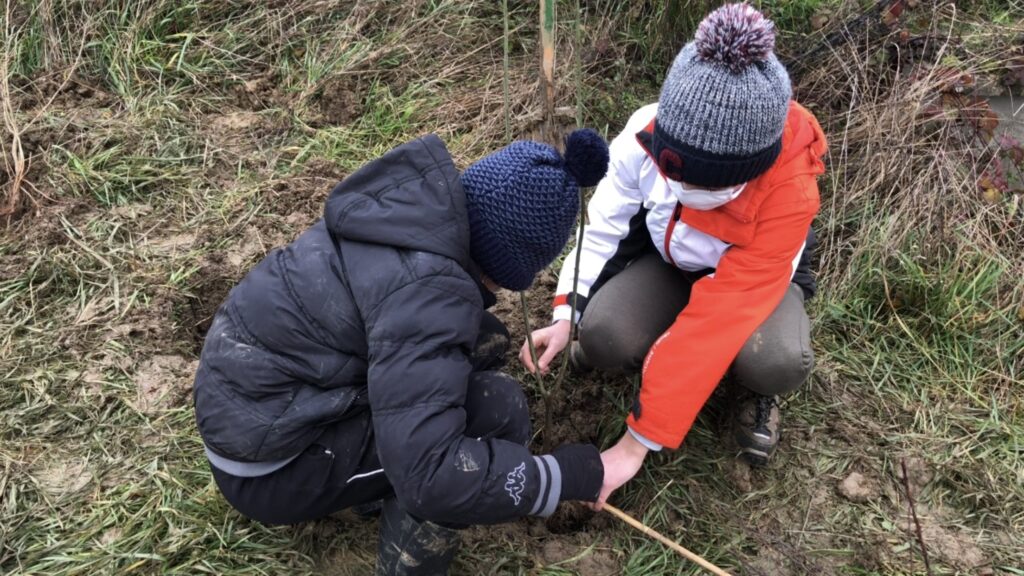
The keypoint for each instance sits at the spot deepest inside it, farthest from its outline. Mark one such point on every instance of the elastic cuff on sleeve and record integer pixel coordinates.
(550, 486)
(564, 312)
(582, 469)
(647, 443)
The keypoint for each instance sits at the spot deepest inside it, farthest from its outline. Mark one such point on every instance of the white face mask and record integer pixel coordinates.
(702, 198)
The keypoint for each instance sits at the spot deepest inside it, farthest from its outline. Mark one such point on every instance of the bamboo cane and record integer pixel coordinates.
(504, 69)
(657, 536)
(547, 66)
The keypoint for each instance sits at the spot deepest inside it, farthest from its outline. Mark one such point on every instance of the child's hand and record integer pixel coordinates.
(548, 343)
(621, 463)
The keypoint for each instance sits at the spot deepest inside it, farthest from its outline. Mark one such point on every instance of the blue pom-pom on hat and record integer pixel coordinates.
(586, 156)
(523, 201)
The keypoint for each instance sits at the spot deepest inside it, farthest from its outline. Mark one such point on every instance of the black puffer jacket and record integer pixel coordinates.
(375, 303)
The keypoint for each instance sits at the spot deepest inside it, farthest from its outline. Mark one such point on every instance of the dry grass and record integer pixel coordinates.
(169, 145)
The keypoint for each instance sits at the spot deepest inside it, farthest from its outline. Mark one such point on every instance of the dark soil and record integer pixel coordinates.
(340, 101)
(209, 289)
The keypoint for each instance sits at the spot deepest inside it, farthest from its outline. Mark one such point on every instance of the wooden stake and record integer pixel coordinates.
(657, 536)
(547, 67)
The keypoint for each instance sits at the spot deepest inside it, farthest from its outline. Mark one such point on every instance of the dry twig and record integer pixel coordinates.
(913, 514)
(695, 558)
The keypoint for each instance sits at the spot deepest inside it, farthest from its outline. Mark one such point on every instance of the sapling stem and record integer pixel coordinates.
(582, 215)
(563, 370)
(545, 393)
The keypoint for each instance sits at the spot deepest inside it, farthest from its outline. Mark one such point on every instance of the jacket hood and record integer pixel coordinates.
(803, 143)
(408, 198)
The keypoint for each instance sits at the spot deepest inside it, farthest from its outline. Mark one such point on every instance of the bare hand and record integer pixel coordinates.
(621, 463)
(548, 342)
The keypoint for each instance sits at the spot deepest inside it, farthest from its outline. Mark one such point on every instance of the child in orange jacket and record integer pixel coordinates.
(696, 255)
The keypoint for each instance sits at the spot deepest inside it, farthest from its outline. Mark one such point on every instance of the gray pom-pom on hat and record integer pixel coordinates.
(724, 102)
(736, 36)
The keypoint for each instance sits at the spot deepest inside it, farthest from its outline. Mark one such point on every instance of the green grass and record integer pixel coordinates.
(185, 139)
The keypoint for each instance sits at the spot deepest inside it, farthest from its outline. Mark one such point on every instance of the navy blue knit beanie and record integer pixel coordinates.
(523, 201)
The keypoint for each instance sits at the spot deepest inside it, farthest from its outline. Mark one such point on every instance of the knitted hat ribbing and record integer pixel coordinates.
(523, 201)
(724, 102)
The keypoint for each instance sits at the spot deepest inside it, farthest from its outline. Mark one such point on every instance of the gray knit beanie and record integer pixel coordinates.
(724, 102)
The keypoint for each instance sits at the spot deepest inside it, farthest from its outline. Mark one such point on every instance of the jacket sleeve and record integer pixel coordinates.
(419, 338)
(685, 364)
(616, 231)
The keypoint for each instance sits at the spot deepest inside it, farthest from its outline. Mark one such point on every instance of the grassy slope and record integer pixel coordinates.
(184, 139)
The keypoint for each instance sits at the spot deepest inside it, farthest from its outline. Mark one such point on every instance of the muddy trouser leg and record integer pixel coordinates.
(491, 344)
(626, 315)
(777, 358)
(495, 408)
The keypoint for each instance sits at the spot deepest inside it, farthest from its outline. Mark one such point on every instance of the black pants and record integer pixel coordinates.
(320, 482)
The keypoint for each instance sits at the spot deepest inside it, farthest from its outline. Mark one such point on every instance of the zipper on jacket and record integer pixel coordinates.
(676, 215)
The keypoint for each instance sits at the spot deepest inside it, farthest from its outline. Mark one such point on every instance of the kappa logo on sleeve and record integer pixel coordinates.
(516, 483)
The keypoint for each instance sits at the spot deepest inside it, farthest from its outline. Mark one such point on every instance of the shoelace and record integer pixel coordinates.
(764, 411)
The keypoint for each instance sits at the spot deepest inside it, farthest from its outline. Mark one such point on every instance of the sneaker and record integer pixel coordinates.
(757, 425)
(577, 361)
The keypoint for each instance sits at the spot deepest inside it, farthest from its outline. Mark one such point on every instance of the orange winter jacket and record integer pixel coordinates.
(766, 227)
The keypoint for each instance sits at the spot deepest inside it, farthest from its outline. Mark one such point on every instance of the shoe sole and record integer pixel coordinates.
(756, 457)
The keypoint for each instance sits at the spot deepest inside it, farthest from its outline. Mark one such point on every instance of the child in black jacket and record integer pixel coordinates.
(358, 363)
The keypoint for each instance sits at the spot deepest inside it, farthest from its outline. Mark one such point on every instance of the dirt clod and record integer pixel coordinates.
(247, 248)
(259, 93)
(171, 245)
(583, 559)
(919, 473)
(110, 536)
(243, 134)
(739, 473)
(948, 543)
(340, 102)
(163, 381)
(769, 562)
(64, 475)
(131, 211)
(858, 489)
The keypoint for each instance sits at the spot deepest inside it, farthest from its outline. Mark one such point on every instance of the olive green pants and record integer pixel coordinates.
(629, 312)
